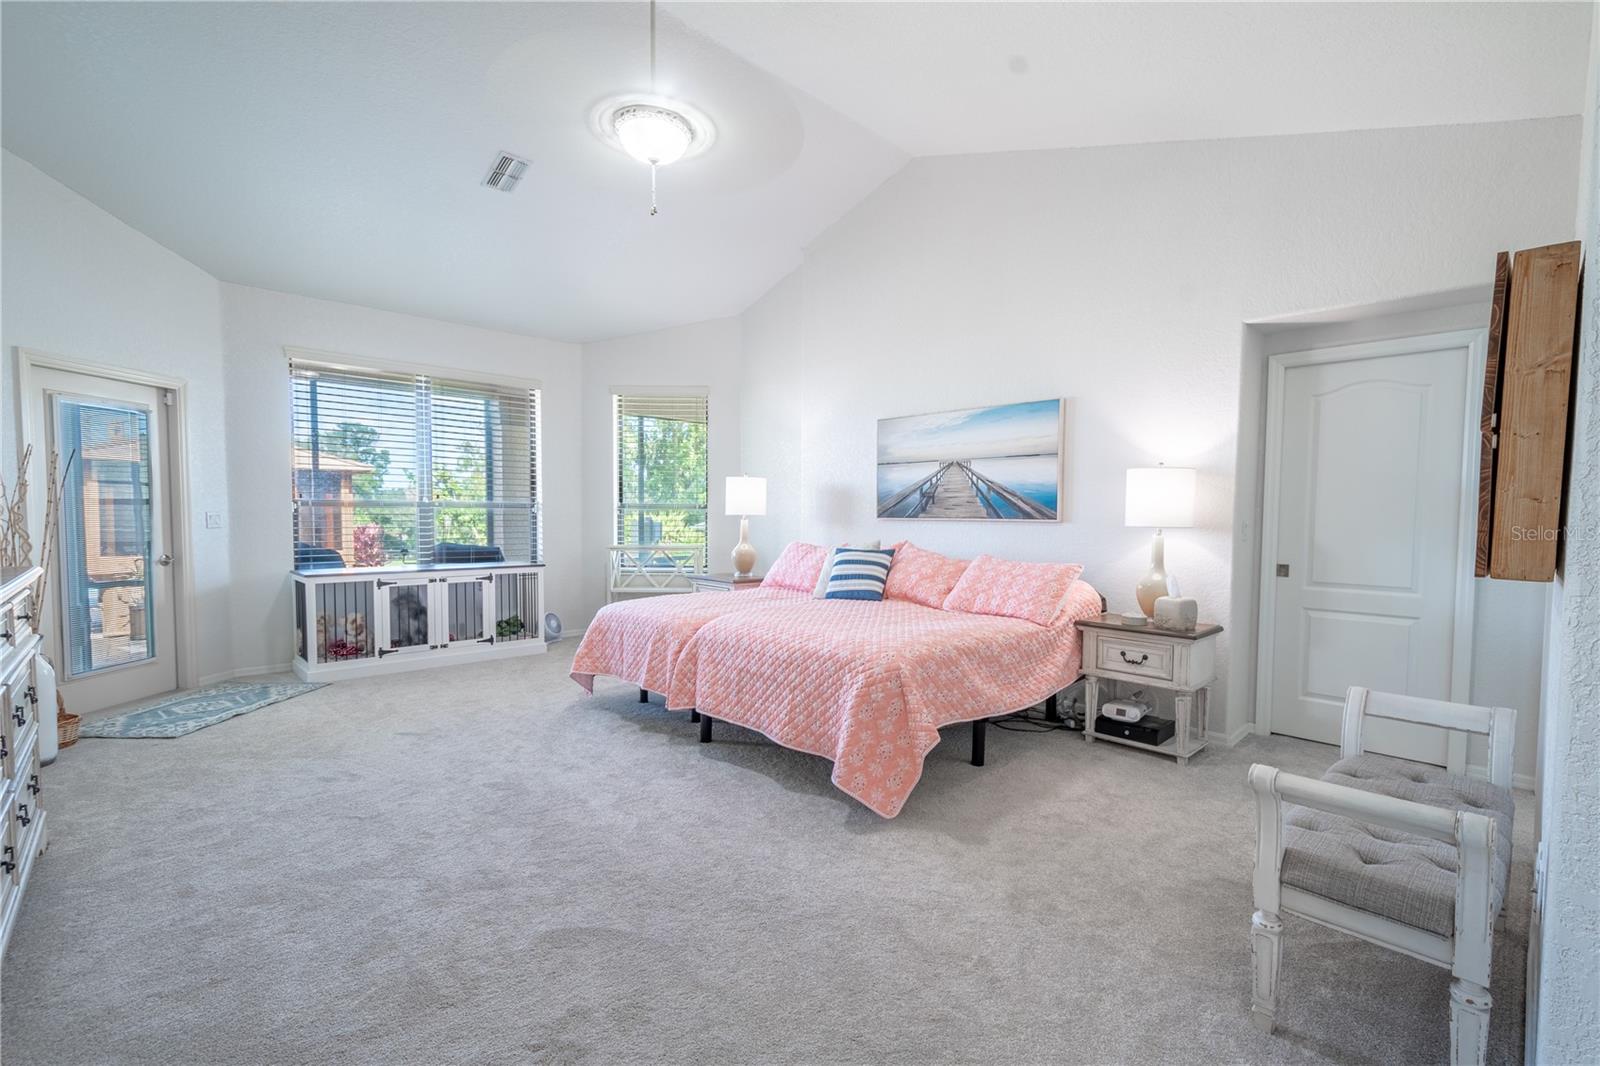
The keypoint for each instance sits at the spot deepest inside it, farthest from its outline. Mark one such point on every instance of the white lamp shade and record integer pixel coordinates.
(1160, 496)
(746, 496)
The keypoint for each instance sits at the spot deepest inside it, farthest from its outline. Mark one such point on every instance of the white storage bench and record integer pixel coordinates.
(1412, 857)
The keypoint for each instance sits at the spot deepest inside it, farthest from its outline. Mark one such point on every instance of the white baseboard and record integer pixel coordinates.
(1228, 740)
(248, 671)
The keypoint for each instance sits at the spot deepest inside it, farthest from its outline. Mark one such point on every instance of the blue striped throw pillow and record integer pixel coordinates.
(859, 573)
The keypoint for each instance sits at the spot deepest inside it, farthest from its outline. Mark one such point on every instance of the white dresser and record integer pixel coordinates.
(27, 698)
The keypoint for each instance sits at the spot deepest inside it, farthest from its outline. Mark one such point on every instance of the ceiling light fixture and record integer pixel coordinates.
(654, 130)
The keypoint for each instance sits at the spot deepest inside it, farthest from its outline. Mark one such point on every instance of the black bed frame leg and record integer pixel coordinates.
(979, 729)
(644, 695)
(705, 728)
(1050, 712)
(694, 715)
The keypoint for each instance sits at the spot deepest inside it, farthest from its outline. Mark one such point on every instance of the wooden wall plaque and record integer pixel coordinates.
(1535, 392)
(1491, 409)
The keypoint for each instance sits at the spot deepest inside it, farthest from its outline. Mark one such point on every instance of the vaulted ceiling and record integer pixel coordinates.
(337, 150)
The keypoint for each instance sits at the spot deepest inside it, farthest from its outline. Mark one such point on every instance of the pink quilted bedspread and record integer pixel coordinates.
(639, 640)
(869, 684)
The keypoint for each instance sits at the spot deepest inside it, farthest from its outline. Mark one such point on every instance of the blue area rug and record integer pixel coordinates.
(174, 716)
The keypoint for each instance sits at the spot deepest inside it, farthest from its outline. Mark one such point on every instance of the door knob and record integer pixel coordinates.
(165, 560)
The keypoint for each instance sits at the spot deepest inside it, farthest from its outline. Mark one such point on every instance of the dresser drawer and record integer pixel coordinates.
(17, 703)
(25, 810)
(10, 858)
(1136, 658)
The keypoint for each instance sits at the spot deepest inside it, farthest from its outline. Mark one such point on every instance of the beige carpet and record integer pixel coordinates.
(478, 865)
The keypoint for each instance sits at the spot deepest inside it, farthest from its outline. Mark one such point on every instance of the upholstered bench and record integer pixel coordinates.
(1409, 856)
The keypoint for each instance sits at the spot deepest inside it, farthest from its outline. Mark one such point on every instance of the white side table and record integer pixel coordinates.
(724, 582)
(1183, 663)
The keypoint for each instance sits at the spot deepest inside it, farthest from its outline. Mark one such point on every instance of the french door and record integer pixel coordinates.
(110, 613)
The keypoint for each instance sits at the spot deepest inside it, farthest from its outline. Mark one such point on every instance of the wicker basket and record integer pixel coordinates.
(66, 724)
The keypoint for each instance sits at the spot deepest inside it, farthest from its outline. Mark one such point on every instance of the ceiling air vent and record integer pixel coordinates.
(506, 172)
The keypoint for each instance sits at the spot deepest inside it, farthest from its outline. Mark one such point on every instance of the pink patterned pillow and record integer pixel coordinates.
(797, 567)
(922, 576)
(1034, 592)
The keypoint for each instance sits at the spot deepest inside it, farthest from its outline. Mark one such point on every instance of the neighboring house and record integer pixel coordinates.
(115, 537)
(330, 524)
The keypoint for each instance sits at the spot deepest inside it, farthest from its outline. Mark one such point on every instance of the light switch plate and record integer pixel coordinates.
(213, 519)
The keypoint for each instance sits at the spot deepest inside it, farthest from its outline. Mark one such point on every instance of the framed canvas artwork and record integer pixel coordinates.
(1001, 463)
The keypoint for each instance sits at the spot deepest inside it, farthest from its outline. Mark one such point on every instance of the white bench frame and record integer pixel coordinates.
(638, 570)
(1468, 954)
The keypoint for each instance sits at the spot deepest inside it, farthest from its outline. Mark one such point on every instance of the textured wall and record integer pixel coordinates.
(1119, 278)
(1567, 1025)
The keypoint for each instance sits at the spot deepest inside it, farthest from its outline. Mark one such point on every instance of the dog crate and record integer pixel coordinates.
(358, 622)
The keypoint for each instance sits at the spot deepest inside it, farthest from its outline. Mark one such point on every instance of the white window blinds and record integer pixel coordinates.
(661, 483)
(399, 469)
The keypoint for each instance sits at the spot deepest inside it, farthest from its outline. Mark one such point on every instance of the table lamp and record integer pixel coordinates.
(1163, 497)
(745, 496)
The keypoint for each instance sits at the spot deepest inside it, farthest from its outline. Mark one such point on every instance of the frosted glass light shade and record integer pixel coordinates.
(1160, 496)
(652, 135)
(746, 496)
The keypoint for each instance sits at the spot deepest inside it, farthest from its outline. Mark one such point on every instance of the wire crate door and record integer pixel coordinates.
(406, 613)
(518, 605)
(467, 609)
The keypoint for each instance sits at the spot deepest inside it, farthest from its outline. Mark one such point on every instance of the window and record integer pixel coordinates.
(661, 470)
(395, 469)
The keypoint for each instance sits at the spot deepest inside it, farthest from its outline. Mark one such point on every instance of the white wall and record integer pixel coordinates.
(79, 283)
(1564, 937)
(700, 358)
(258, 324)
(1121, 279)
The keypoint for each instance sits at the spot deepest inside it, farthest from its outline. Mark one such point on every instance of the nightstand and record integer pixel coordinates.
(725, 582)
(1182, 663)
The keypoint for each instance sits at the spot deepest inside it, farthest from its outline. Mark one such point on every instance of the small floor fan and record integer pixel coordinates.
(552, 627)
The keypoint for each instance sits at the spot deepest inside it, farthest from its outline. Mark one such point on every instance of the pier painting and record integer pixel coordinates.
(981, 463)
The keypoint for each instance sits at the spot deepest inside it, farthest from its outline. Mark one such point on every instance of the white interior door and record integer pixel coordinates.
(1366, 566)
(110, 618)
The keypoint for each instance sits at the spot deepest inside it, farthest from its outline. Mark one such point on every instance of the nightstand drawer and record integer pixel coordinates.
(1119, 655)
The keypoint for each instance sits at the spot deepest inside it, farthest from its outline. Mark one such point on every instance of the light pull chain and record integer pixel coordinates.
(652, 93)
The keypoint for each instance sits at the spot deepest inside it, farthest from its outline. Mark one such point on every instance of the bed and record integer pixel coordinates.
(868, 685)
(639, 640)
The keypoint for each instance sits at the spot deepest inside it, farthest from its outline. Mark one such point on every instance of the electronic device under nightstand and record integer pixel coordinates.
(1182, 663)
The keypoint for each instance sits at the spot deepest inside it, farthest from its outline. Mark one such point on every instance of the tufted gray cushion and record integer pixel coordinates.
(1411, 879)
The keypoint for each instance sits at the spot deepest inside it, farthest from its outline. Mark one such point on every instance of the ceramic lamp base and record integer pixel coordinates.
(744, 556)
(1153, 585)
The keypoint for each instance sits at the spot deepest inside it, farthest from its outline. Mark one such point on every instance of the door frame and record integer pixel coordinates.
(1476, 343)
(179, 527)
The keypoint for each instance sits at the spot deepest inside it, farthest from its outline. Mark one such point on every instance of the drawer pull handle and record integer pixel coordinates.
(24, 617)
(33, 695)
(6, 635)
(1140, 661)
(4, 751)
(8, 864)
(22, 814)
(33, 784)
(18, 715)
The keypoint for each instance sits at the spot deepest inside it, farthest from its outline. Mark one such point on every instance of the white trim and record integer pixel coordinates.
(1476, 343)
(1229, 740)
(342, 361)
(248, 671)
(181, 534)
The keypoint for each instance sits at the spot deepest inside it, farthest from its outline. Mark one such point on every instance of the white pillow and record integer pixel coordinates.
(821, 591)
